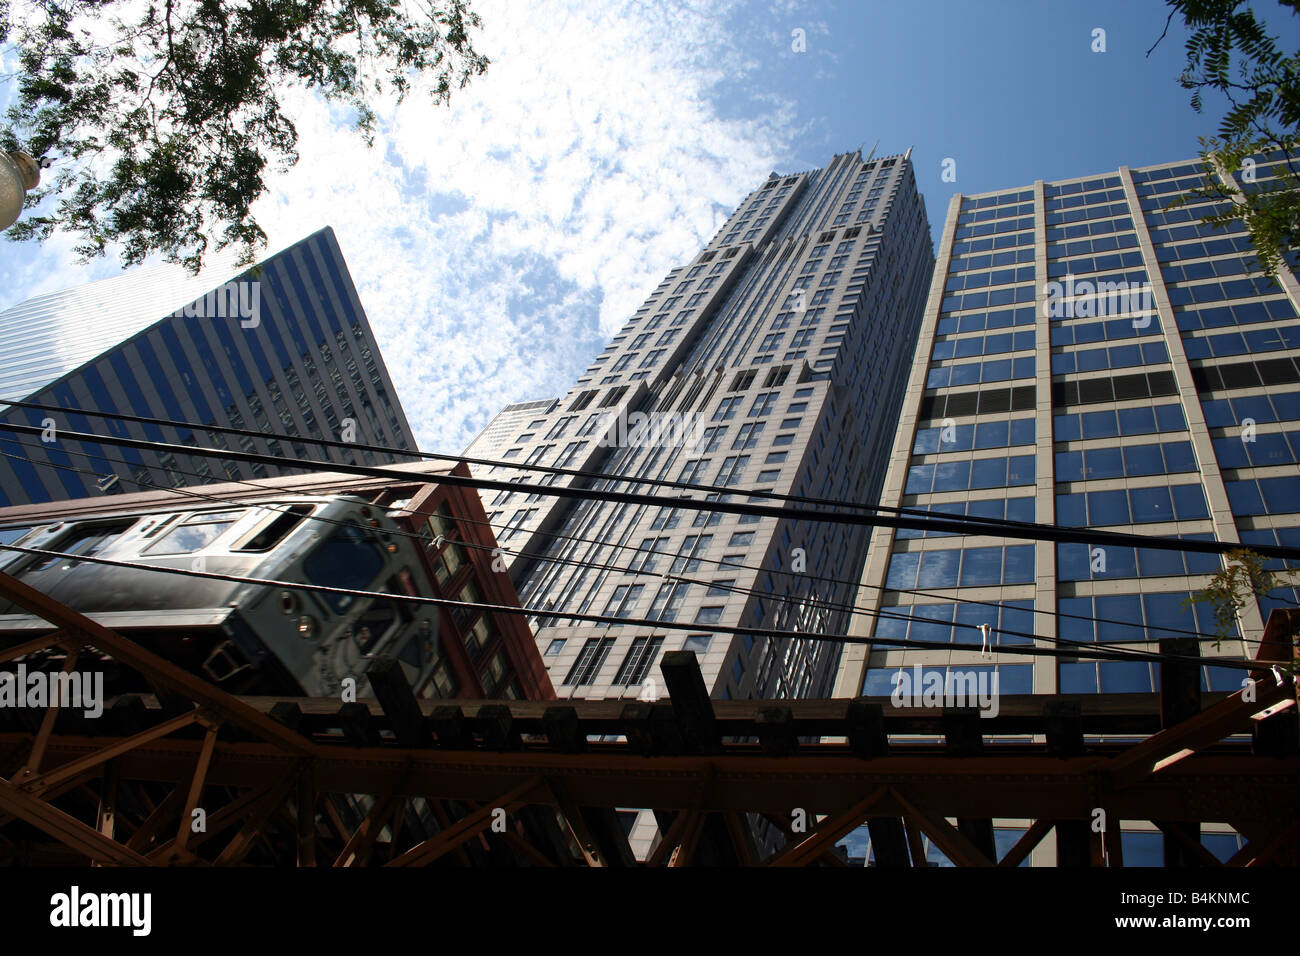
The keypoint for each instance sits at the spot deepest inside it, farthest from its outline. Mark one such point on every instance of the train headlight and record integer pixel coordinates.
(307, 626)
(288, 602)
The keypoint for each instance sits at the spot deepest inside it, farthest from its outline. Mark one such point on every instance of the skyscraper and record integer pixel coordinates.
(1091, 357)
(283, 347)
(773, 361)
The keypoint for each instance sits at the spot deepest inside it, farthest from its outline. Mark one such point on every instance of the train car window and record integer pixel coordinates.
(86, 539)
(272, 534)
(151, 530)
(195, 532)
(348, 558)
(9, 536)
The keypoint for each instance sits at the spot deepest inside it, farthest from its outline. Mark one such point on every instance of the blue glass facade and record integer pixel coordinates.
(1130, 412)
(1145, 378)
(304, 364)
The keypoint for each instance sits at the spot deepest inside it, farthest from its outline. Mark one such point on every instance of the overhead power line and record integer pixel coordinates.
(963, 526)
(1081, 651)
(1000, 525)
(851, 610)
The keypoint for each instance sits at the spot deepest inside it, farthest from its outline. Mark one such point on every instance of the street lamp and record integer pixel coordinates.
(18, 173)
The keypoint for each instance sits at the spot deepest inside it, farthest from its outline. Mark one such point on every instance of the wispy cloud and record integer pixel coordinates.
(498, 243)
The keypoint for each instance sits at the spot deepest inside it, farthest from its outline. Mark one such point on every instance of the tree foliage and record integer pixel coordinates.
(1245, 578)
(162, 118)
(1230, 52)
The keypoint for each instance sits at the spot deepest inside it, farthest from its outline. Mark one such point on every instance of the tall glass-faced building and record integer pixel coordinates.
(781, 349)
(283, 347)
(1089, 357)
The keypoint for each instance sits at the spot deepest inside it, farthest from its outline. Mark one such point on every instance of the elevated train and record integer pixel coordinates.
(245, 638)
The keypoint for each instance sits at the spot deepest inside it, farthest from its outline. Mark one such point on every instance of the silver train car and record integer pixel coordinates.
(245, 638)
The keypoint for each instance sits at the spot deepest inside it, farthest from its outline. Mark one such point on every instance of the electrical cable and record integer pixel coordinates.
(959, 526)
(1083, 651)
(851, 610)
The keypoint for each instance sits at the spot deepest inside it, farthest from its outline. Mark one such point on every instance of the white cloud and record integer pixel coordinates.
(498, 243)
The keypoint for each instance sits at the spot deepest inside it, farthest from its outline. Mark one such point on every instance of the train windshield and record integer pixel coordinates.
(348, 558)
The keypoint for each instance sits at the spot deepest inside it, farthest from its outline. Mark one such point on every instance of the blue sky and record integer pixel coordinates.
(496, 245)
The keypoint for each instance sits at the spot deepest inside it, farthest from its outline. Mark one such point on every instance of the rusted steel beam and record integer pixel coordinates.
(1113, 840)
(106, 818)
(964, 737)
(742, 840)
(915, 845)
(690, 701)
(53, 793)
(45, 781)
(945, 836)
(54, 639)
(196, 789)
(1191, 847)
(393, 690)
(242, 842)
(468, 826)
(1228, 716)
(1028, 840)
(159, 818)
(520, 845)
(357, 849)
(306, 817)
(572, 816)
(47, 724)
(824, 835)
(217, 822)
(1021, 714)
(671, 838)
(1205, 787)
(66, 829)
(444, 823)
(159, 671)
(684, 853)
(1259, 851)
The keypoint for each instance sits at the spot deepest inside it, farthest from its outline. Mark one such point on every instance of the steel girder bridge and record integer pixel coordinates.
(189, 775)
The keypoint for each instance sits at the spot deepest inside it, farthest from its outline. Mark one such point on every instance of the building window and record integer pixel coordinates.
(666, 519)
(688, 558)
(762, 404)
(732, 469)
(590, 660)
(747, 437)
(727, 409)
(637, 664)
(743, 380)
(647, 555)
(624, 600)
(668, 601)
(699, 643)
(708, 615)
